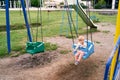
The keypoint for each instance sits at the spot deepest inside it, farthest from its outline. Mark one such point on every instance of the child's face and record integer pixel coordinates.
(81, 40)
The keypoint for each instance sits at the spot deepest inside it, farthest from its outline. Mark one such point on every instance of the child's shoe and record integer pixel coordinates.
(76, 62)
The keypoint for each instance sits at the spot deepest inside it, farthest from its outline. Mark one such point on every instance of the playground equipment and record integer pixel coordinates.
(8, 24)
(35, 46)
(66, 24)
(88, 50)
(112, 70)
(32, 47)
(63, 23)
(88, 19)
(90, 45)
(78, 8)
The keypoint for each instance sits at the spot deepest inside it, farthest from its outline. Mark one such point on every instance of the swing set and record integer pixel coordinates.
(90, 45)
(31, 47)
(36, 47)
(112, 69)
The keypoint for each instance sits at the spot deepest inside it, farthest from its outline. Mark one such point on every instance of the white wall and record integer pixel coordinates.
(70, 2)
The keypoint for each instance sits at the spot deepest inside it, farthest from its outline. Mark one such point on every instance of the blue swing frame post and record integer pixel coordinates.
(117, 67)
(26, 20)
(8, 26)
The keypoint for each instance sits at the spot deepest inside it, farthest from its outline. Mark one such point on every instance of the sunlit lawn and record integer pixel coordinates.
(54, 23)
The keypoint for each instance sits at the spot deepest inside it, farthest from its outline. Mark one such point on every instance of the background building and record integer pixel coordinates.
(56, 3)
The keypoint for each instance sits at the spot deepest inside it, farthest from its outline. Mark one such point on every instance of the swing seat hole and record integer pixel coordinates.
(35, 47)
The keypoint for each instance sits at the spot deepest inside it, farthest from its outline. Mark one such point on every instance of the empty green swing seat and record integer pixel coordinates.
(35, 47)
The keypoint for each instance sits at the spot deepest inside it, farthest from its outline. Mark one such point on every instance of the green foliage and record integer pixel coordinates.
(94, 19)
(35, 3)
(106, 31)
(100, 4)
(61, 3)
(97, 42)
(50, 47)
(64, 51)
(83, 5)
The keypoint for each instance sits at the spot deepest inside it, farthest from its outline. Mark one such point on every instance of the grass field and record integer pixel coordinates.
(51, 24)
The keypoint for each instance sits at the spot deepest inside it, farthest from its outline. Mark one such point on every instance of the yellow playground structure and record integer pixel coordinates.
(112, 71)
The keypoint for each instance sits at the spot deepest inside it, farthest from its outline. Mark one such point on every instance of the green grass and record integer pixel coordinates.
(105, 18)
(64, 51)
(19, 51)
(50, 47)
(51, 25)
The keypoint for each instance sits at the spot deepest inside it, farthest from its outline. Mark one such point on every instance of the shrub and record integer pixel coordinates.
(35, 3)
(61, 3)
(100, 4)
(50, 47)
(83, 5)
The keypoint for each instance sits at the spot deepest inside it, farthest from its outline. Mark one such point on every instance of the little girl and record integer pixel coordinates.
(80, 53)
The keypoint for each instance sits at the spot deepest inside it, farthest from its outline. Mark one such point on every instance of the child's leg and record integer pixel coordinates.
(81, 53)
(77, 56)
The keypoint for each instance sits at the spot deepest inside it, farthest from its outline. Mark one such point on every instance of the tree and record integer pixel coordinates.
(100, 4)
(36, 3)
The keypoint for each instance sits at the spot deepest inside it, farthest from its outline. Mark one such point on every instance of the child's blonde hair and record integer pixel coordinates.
(80, 38)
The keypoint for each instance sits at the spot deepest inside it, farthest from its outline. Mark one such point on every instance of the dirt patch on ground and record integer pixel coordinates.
(36, 60)
(55, 66)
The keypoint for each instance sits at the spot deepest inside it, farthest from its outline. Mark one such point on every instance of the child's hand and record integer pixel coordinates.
(75, 50)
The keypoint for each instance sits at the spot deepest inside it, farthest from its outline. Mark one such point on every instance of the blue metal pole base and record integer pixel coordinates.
(8, 26)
